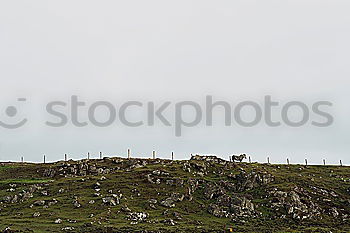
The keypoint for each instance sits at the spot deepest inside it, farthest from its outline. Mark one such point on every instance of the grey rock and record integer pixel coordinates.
(137, 216)
(68, 229)
(58, 221)
(36, 214)
(110, 201)
(39, 203)
(153, 201)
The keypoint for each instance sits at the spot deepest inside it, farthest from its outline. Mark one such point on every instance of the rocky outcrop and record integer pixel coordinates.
(295, 203)
(81, 168)
(209, 158)
(246, 181)
(170, 201)
(23, 195)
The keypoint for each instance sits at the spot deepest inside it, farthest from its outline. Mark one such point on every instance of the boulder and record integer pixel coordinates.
(137, 216)
(112, 201)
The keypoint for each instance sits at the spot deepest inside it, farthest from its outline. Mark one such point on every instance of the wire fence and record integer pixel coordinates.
(248, 159)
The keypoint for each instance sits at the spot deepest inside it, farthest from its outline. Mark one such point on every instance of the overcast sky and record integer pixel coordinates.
(174, 50)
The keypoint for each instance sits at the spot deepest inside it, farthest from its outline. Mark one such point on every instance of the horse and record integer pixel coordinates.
(239, 158)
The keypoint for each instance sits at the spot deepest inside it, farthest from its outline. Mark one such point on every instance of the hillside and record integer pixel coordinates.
(204, 194)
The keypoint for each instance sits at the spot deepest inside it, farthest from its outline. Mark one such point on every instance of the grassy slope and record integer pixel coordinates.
(19, 216)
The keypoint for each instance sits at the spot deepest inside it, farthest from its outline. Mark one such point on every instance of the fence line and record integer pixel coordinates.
(173, 155)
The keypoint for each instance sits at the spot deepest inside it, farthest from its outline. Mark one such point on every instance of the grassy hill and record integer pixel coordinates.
(204, 194)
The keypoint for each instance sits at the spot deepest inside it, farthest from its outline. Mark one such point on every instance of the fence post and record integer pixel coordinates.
(129, 154)
(88, 155)
(100, 155)
(288, 161)
(154, 154)
(268, 160)
(172, 155)
(324, 162)
(341, 163)
(22, 159)
(250, 160)
(44, 158)
(306, 162)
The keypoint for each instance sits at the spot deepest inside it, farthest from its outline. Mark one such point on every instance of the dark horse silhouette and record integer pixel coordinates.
(239, 158)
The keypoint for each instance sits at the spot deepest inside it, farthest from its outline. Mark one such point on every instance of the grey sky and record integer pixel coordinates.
(175, 50)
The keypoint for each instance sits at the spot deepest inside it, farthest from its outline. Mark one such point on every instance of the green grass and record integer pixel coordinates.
(25, 181)
(195, 217)
(5, 167)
